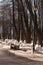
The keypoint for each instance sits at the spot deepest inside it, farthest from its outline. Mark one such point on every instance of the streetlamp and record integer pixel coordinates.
(35, 21)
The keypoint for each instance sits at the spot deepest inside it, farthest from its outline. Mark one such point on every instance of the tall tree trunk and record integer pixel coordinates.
(14, 26)
(34, 21)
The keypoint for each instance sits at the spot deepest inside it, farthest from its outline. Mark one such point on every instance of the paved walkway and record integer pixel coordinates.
(10, 59)
(28, 54)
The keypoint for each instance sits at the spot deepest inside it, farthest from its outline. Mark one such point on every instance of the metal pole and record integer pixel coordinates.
(34, 30)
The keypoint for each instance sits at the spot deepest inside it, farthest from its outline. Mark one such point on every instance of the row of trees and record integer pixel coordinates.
(18, 21)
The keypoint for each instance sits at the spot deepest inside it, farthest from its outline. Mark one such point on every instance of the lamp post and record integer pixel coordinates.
(34, 40)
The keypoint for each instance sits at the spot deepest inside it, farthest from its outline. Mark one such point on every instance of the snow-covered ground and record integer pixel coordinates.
(38, 48)
(24, 46)
(6, 46)
(1, 46)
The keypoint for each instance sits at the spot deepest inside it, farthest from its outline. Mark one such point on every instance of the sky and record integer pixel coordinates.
(0, 0)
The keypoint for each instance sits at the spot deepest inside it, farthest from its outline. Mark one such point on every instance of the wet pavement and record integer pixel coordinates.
(7, 58)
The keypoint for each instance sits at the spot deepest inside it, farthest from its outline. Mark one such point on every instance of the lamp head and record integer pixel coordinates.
(35, 8)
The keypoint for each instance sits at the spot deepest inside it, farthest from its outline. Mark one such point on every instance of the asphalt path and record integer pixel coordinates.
(7, 58)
